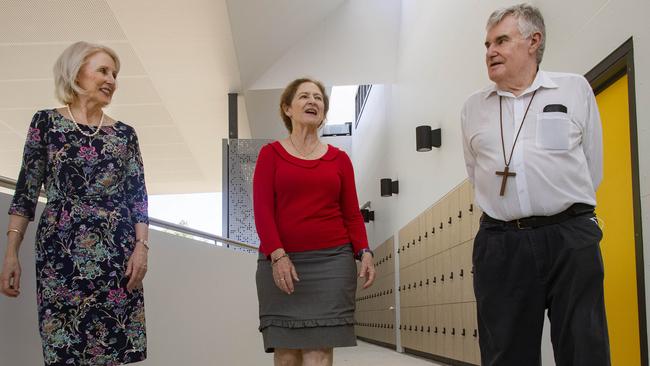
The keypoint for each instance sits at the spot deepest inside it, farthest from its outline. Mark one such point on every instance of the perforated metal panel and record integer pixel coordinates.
(242, 156)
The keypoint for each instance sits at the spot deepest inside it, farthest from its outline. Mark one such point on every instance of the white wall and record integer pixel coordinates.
(355, 44)
(371, 147)
(200, 301)
(441, 61)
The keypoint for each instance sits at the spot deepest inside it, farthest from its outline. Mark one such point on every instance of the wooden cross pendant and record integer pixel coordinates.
(505, 173)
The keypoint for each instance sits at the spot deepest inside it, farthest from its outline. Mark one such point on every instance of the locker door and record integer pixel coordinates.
(445, 266)
(453, 220)
(455, 280)
(434, 230)
(401, 245)
(456, 330)
(418, 324)
(420, 240)
(447, 342)
(428, 281)
(476, 214)
(443, 226)
(465, 199)
(468, 277)
(428, 236)
(427, 345)
(437, 284)
(437, 340)
(476, 352)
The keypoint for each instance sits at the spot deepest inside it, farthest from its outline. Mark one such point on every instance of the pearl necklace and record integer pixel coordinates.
(300, 152)
(101, 122)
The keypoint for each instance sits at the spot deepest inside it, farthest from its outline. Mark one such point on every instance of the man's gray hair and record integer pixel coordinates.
(529, 19)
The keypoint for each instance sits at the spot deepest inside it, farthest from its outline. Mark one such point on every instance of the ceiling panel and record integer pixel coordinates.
(35, 61)
(57, 21)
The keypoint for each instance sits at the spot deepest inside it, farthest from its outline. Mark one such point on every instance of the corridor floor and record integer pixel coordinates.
(366, 354)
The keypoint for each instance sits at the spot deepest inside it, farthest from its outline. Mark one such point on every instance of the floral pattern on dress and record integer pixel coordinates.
(95, 195)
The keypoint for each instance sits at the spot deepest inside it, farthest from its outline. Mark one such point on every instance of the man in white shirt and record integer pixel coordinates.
(533, 151)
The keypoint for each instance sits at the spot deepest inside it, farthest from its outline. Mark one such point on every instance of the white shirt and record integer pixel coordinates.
(558, 156)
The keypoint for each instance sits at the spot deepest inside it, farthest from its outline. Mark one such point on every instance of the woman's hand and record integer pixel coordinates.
(136, 268)
(367, 269)
(284, 273)
(10, 276)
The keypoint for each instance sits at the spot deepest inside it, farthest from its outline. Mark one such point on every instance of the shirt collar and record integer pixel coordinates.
(542, 80)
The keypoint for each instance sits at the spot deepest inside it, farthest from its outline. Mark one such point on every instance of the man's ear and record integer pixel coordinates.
(535, 41)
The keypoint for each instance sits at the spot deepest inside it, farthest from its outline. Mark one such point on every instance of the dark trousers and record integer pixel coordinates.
(518, 273)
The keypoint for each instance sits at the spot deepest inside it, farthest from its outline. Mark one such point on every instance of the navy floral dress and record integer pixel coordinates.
(95, 195)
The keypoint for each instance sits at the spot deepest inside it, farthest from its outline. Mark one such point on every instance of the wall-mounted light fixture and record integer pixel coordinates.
(389, 187)
(425, 138)
(368, 215)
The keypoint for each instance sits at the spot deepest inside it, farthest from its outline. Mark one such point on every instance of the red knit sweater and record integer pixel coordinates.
(305, 205)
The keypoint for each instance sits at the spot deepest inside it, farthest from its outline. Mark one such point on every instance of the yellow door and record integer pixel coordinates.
(615, 209)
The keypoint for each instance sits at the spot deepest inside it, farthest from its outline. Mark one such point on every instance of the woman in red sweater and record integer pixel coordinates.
(311, 230)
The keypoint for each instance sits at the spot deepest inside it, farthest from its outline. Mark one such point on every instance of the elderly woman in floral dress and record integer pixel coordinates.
(91, 241)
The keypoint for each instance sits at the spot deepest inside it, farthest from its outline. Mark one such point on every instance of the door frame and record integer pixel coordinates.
(619, 63)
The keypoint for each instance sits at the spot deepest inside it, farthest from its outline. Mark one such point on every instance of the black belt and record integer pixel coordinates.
(577, 209)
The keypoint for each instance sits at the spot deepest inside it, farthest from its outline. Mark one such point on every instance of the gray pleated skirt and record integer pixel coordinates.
(320, 312)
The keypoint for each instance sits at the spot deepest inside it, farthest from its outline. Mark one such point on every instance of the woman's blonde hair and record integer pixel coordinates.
(67, 66)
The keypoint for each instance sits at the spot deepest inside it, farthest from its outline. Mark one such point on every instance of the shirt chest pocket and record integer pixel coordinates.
(555, 131)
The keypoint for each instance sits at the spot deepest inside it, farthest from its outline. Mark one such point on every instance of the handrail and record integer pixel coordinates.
(11, 184)
(198, 233)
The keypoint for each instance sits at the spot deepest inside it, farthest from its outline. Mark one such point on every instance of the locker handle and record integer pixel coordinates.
(433, 230)
(471, 207)
(427, 282)
(421, 328)
(463, 334)
(461, 272)
(453, 331)
(410, 327)
(442, 278)
(475, 333)
(415, 284)
(460, 214)
(400, 327)
(397, 250)
(428, 329)
(399, 289)
(434, 279)
(435, 330)
(444, 330)
(419, 237)
(409, 286)
(426, 234)
(451, 276)
(408, 245)
(441, 226)
(420, 283)
(413, 242)
(449, 220)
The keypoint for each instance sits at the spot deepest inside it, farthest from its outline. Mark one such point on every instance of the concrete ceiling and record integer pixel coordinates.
(180, 59)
